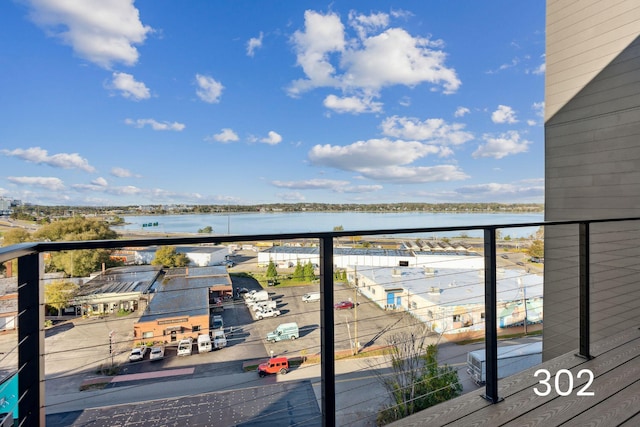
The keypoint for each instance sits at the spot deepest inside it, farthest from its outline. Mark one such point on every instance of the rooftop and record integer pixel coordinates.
(455, 285)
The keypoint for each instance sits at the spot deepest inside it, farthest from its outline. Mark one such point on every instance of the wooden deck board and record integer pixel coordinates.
(616, 369)
(615, 410)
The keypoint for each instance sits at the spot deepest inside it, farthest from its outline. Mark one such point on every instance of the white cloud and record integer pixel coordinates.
(504, 114)
(366, 63)
(49, 183)
(336, 186)
(41, 156)
(225, 135)
(253, 44)
(365, 24)
(100, 181)
(461, 112)
(358, 189)
(273, 139)
(542, 68)
(538, 108)
(209, 90)
(495, 191)
(311, 184)
(103, 32)
(352, 104)
(433, 130)
(155, 125)
(506, 144)
(531, 122)
(121, 172)
(323, 35)
(294, 196)
(374, 153)
(415, 175)
(129, 87)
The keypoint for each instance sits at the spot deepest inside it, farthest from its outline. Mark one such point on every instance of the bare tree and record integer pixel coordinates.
(416, 381)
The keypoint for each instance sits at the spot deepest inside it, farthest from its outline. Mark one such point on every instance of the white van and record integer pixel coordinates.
(204, 343)
(184, 347)
(219, 340)
(311, 297)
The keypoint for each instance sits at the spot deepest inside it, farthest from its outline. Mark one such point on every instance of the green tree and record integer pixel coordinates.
(298, 273)
(416, 381)
(58, 294)
(309, 274)
(206, 230)
(536, 250)
(338, 228)
(82, 262)
(16, 235)
(167, 256)
(271, 270)
(13, 237)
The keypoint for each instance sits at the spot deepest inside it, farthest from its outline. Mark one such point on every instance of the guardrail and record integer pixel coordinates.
(30, 300)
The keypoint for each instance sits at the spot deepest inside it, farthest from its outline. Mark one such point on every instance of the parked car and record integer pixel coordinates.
(263, 305)
(343, 305)
(138, 353)
(229, 263)
(275, 365)
(184, 347)
(157, 353)
(218, 322)
(270, 312)
(311, 297)
(505, 256)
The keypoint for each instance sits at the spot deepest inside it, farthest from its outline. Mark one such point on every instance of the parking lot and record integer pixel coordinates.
(77, 349)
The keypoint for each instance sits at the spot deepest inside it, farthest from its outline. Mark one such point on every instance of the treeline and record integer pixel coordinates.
(37, 213)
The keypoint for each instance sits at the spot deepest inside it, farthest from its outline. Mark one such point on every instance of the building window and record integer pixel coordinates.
(457, 318)
(430, 314)
(196, 328)
(414, 305)
(373, 291)
(403, 264)
(147, 334)
(482, 315)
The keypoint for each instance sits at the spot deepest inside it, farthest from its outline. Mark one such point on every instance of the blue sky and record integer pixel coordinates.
(214, 102)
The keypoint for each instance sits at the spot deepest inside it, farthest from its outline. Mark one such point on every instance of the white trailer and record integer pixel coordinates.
(511, 360)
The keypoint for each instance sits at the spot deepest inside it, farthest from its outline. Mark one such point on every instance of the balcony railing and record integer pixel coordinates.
(31, 335)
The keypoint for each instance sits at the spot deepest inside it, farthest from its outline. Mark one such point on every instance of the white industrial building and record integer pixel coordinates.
(450, 300)
(201, 256)
(286, 256)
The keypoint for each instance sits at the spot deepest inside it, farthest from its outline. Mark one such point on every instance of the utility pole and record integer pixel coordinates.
(355, 310)
(111, 334)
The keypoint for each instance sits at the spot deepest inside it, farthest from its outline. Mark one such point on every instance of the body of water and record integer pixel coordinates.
(301, 222)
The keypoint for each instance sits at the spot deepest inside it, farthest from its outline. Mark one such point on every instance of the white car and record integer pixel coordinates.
(263, 305)
(157, 353)
(261, 314)
(138, 353)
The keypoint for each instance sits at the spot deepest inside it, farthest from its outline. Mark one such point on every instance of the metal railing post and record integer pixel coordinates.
(491, 316)
(31, 409)
(327, 345)
(585, 321)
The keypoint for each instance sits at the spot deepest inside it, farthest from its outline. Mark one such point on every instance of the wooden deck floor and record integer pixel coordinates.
(615, 400)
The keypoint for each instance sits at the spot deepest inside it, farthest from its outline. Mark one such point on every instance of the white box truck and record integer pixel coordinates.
(204, 343)
(257, 297)
(511, 360)
(219, 340)
(284, 331)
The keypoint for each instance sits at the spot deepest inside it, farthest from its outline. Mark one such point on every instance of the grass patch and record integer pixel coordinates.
(501, 337)
(94, 386)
